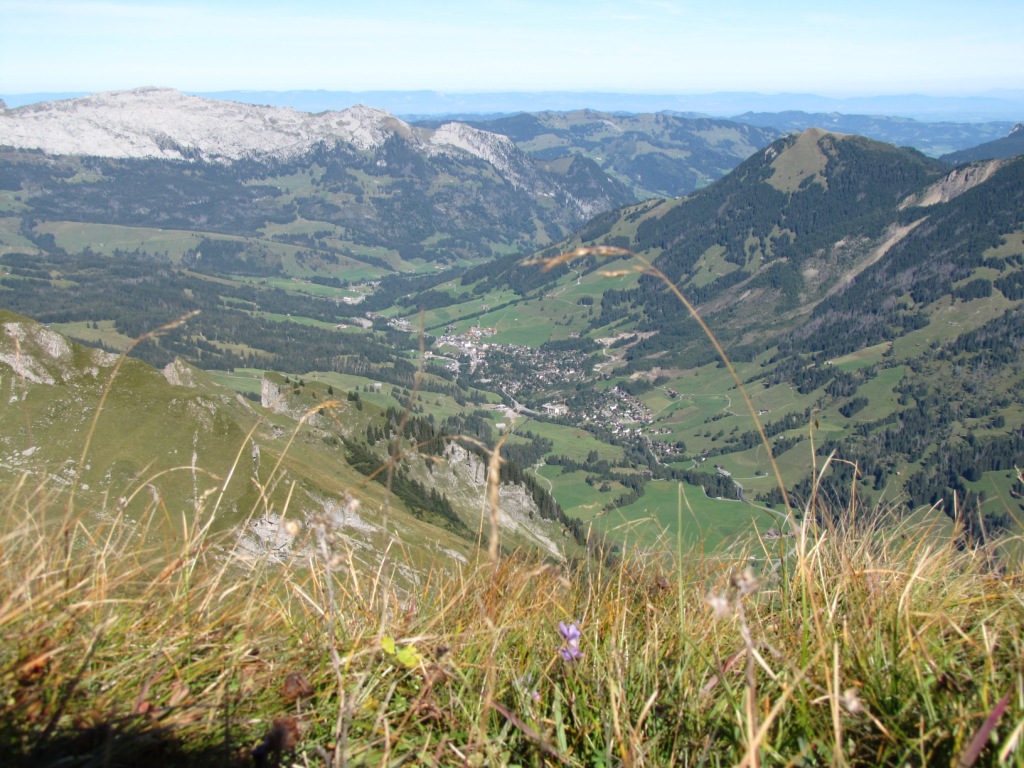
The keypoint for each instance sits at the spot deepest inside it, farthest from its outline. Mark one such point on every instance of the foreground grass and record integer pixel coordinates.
(837, 646)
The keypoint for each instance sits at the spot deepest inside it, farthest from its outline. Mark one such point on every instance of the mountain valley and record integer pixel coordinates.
(868, 297)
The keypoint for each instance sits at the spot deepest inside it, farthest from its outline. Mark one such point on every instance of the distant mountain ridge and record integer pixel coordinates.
(994, 105)
(935, 125)
(367, 178)
(654, 154)
(355, 179)
(932, 138)
(1001, 148)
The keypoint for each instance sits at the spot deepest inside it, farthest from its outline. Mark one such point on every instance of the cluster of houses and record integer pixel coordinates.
(615, 409)
(470, 344)
(519, 369)
(523, 371)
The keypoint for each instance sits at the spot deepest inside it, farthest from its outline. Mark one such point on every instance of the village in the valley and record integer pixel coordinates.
(533, 375)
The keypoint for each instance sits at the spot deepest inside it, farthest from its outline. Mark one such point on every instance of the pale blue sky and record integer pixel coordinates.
(836, 48)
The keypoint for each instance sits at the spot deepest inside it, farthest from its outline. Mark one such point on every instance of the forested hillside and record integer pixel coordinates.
(864, 292)
(1003, 147)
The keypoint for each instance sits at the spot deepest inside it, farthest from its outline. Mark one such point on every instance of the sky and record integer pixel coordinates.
(835, 48)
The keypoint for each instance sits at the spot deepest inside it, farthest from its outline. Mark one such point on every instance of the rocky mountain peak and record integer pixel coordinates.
(165, 123)
(498, 150)
(365, 127)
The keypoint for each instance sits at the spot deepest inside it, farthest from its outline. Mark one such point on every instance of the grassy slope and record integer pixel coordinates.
(859, 649)
(163, 449)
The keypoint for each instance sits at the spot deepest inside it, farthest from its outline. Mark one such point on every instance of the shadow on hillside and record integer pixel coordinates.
(125, 744)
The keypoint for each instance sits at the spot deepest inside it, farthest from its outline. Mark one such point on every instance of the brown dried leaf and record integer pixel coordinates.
(296, 686)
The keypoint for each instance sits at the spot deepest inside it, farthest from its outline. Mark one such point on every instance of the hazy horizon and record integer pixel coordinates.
(843, 50)
(1004, 106)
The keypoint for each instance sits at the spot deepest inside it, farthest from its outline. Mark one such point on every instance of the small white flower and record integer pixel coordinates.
(745, 582)
(851, 702)
(720, 605)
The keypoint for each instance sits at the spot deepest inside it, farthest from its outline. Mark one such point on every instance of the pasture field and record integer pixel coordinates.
(243, 380)
(74, 236)
(570, 441)
(104, 333)
(710, 267)
(949, 319)
(862, 358)
(669, 509)
(473, 310)
(579, 499)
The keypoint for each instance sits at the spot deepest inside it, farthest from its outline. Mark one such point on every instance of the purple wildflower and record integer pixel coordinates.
(571, 634)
